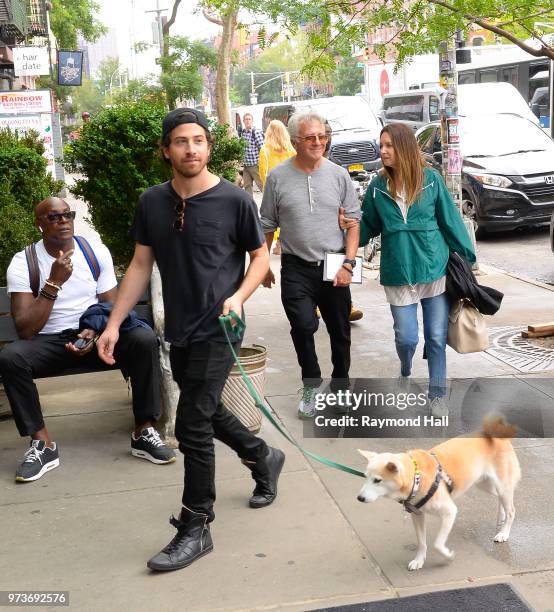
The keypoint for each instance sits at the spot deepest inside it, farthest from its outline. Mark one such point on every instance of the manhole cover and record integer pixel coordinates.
(507, 345)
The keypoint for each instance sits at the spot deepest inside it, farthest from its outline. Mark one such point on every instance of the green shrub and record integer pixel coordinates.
(118, 155)
(23, 168)
(24, 182)
(17, 230)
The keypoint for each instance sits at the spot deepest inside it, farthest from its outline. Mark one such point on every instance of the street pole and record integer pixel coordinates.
(452, 160)
(550, 26)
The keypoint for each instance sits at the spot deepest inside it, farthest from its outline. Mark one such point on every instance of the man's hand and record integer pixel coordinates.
(344, 222)
(106, 345)
(86, 334)
(343, 278)
(233, 303)
(269, 279)
(62, 268)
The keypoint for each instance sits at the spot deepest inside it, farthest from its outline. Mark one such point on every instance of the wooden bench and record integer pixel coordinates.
(8, 332)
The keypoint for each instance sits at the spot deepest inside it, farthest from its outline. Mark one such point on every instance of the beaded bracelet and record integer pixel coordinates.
(51, 284)
(48, 296)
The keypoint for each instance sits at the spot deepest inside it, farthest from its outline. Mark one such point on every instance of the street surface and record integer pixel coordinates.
(525, 252)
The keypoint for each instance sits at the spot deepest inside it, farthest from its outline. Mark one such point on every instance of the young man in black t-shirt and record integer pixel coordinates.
(198, 228)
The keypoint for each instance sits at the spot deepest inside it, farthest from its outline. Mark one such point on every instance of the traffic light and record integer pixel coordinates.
(366, 54)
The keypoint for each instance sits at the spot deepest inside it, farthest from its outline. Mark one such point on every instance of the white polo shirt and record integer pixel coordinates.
(78, 292)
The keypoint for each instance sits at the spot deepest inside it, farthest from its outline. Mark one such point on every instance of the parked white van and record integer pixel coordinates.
(418, 107)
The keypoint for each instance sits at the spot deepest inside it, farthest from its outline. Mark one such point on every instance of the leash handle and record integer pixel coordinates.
(226, 323)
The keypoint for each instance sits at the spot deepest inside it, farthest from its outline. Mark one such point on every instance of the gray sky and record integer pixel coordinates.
(132, 24)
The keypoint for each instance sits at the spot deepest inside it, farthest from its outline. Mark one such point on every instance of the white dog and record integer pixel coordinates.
(430, 481)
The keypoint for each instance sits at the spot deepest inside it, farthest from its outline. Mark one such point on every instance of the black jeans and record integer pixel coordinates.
(136, 353)
(302, 289)
(200, 370)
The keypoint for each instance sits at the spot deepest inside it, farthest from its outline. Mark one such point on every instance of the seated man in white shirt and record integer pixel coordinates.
(48, 326)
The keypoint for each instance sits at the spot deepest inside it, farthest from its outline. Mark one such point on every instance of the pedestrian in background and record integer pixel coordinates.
(254, 141)
(410, 206)
(276, 149)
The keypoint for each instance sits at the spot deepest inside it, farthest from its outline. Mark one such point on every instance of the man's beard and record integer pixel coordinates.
(189, 173)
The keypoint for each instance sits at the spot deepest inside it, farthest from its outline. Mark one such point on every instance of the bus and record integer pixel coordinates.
(490, 64)
(525, 72)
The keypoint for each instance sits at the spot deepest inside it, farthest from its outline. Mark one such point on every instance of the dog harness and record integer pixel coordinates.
(440, 475)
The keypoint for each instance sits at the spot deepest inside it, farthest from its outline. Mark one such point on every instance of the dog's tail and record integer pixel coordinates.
(495, 426)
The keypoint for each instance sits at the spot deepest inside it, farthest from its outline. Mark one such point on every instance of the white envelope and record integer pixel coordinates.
(333, 263)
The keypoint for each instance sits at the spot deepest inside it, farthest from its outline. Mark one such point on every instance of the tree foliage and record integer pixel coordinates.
(128, 134)
(24, 182)
(419, 26)
(69, 18)
(181, 68)
(288, 55)
(347, 78)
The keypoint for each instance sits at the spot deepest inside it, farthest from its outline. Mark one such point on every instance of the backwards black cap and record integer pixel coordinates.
(183, 115)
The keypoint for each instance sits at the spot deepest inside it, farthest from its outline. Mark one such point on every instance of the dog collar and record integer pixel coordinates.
(407, 503)
(440, 475)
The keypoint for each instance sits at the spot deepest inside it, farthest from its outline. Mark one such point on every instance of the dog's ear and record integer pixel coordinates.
(367, 454)
(392, 467)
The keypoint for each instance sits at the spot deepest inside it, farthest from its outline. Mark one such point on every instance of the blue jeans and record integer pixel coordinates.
(435, 331)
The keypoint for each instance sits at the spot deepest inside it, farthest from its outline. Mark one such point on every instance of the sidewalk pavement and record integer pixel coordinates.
(89, 526)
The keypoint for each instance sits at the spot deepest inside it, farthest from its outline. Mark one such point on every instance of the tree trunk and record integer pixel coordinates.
(224, 67)
(170, 390)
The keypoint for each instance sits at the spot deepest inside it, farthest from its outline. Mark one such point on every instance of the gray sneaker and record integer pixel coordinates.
(439, 407)
(306, 407)
(149, 445)
(38, 460)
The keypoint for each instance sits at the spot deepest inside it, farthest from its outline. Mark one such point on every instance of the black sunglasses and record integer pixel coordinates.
(179, 222)
(67, 215)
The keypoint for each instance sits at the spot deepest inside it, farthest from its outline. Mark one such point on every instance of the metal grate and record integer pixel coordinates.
(507, 345)
(353, 152)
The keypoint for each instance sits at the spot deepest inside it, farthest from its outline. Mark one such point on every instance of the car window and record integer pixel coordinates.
(350, 114)
(404, 108)
(425, 139)
(434, 108)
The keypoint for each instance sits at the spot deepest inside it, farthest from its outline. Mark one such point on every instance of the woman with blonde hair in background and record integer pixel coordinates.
(277, 148)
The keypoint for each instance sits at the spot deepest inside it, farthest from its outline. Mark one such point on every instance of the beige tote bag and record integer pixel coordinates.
(467, 330)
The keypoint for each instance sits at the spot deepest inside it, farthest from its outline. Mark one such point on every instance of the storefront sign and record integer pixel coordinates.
(30, 61)
(25, 101)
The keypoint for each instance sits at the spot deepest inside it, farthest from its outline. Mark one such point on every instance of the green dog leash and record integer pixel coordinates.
(233, 326)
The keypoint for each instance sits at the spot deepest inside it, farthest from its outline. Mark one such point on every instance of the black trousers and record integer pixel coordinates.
(136, 353)
(200, 370)
(302, 289)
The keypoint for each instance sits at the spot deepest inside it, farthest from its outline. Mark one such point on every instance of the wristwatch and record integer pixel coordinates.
(352, 262)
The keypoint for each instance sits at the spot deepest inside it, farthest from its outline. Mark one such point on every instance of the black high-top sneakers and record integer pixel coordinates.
(266, 474)
(193, 540)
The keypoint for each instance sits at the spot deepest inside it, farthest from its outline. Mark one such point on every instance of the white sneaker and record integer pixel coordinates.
(439, 407)
(306, 407)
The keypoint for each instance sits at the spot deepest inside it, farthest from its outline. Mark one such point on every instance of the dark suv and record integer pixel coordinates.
(508, 170)
(355, 144)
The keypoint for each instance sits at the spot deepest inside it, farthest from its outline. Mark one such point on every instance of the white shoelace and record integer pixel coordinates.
(33, 454)
(154, 438)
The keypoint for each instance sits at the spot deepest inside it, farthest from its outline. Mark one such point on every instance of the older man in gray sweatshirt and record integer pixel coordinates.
(302, 196)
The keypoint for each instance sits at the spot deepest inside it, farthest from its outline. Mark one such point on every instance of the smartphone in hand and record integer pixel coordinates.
(83, 343)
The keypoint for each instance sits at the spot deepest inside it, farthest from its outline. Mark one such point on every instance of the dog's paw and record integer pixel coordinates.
(416, 564)
(446, 552)
(501, 537)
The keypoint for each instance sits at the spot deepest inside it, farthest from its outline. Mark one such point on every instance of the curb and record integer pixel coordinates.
(488, 269)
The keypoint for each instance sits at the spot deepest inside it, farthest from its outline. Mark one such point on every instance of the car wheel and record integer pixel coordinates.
(470, 211)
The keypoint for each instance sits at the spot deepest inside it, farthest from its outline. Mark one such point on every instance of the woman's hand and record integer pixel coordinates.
(344, 222)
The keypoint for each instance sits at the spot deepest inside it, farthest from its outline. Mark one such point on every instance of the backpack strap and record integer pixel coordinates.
(89, 256)
(32, 265)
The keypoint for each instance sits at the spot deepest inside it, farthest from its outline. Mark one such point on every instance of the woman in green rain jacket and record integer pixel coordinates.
(409, 205)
